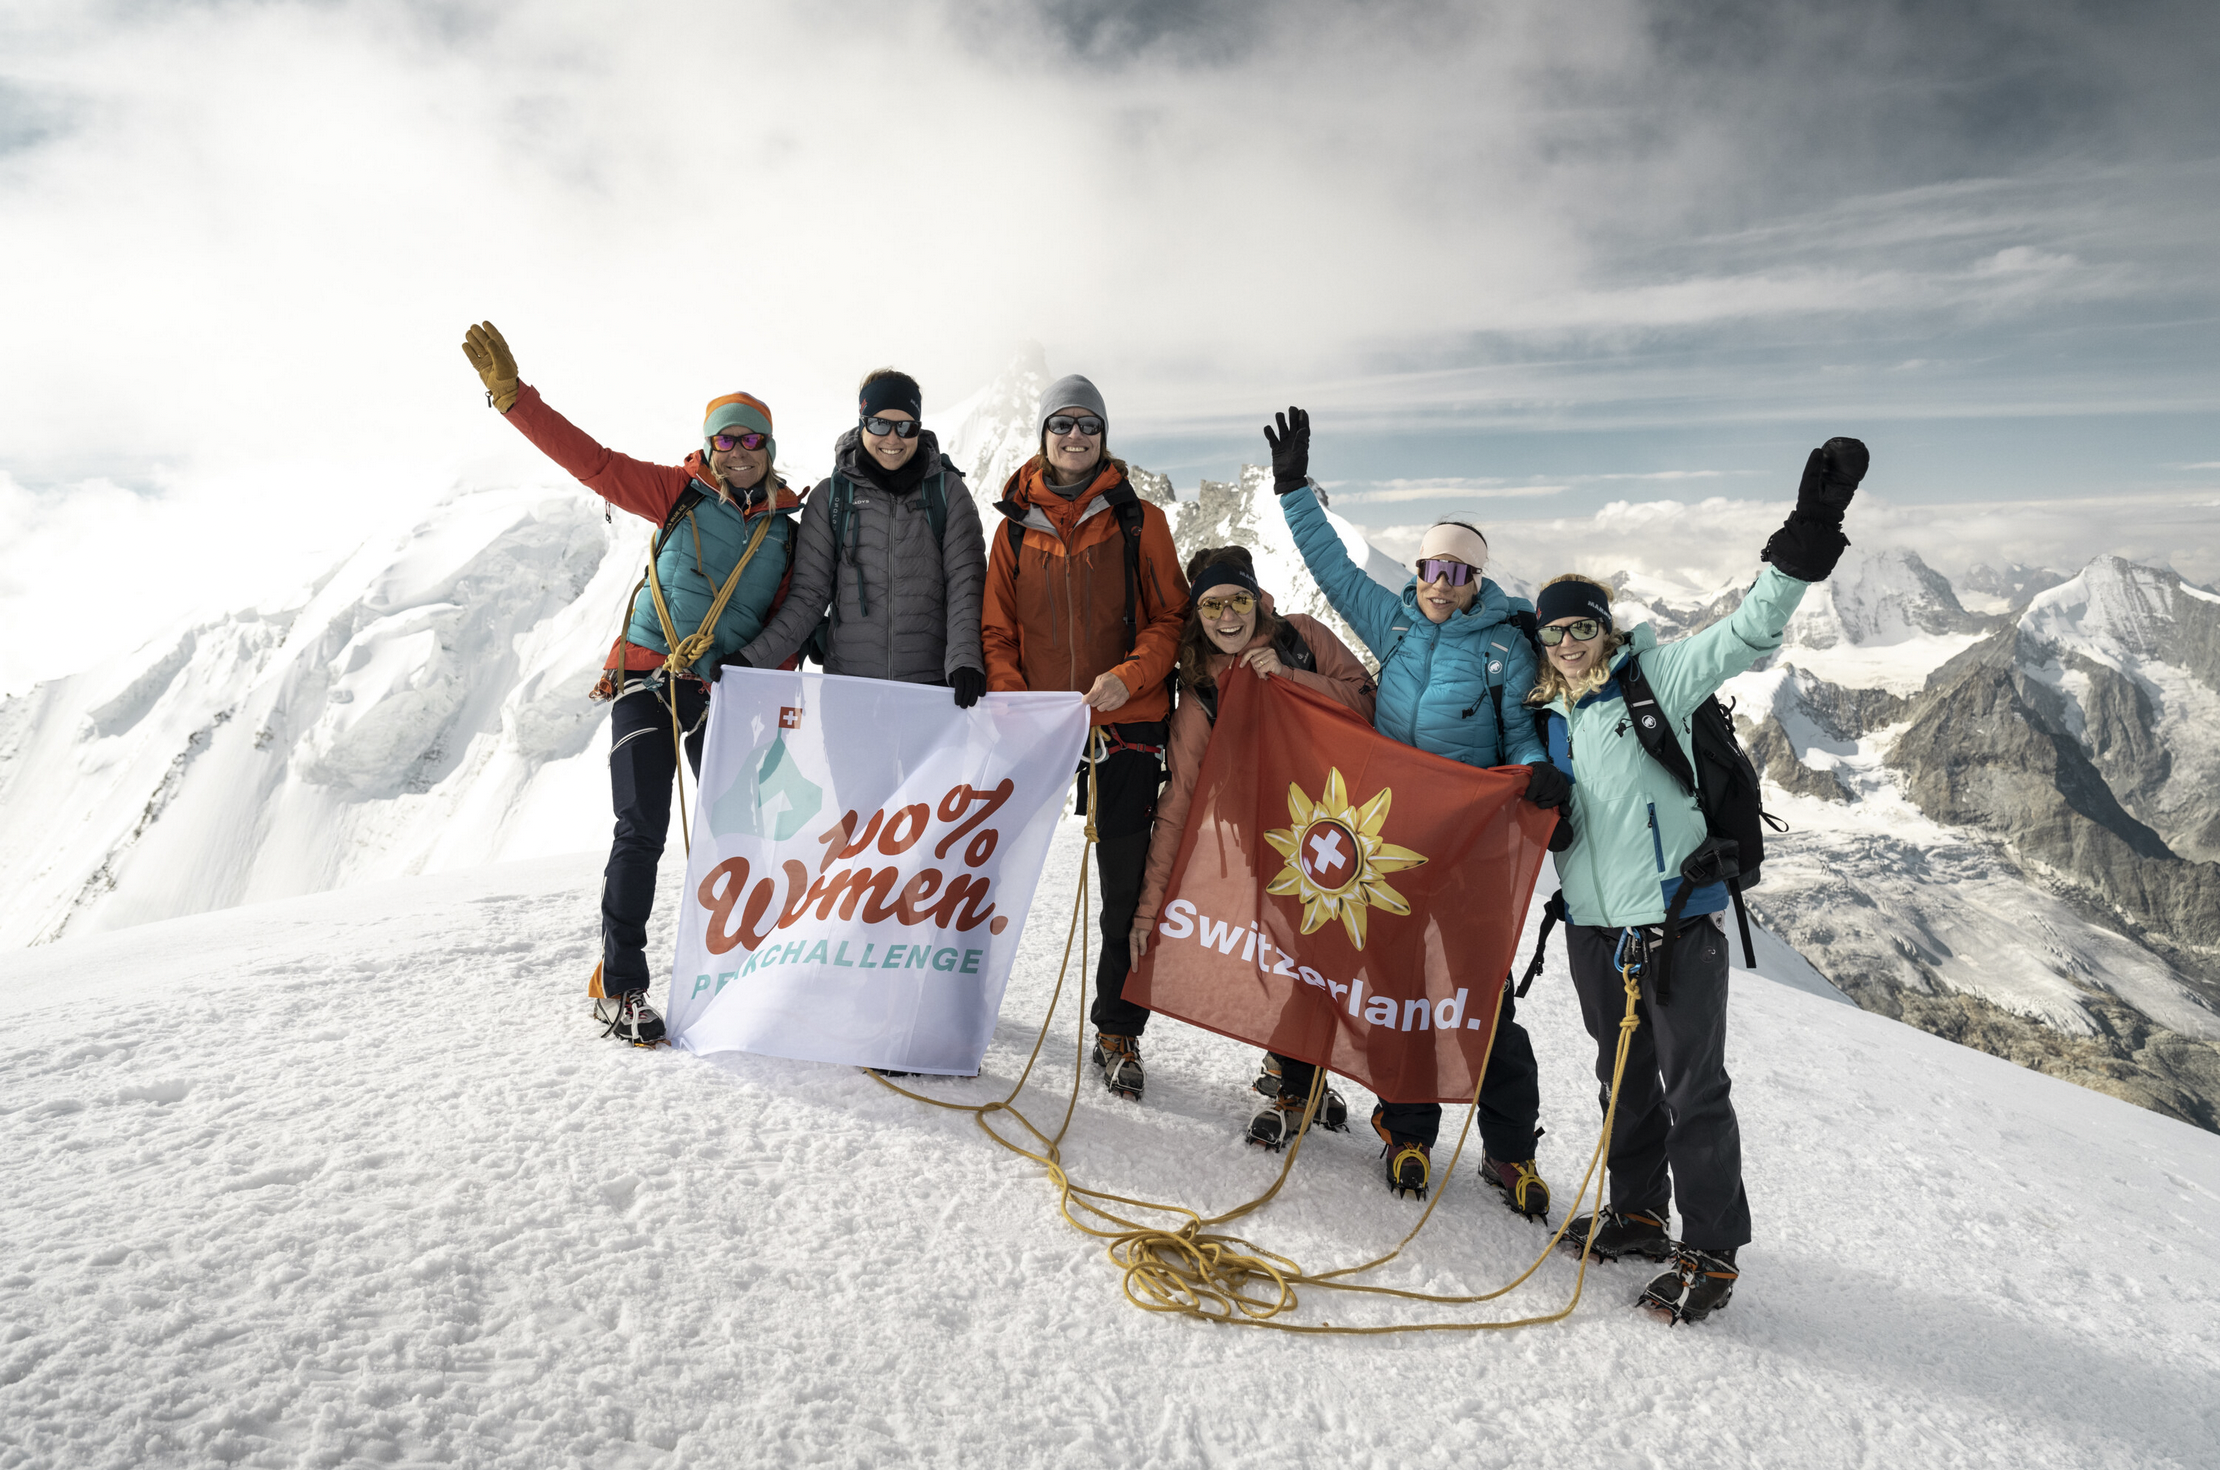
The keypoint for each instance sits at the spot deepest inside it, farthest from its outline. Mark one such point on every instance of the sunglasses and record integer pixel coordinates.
(1064, 423)
(899, 428)
(1436, 569)
(739, 441)
(1579, 631)
(1240, 602)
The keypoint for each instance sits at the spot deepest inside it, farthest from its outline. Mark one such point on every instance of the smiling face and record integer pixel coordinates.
(889, 451)
(740, 469)
(1438, 600)
(1226, 628)
(1575, 657)
(1072, 455)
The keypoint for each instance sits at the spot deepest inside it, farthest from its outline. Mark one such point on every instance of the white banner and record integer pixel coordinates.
(864, 857)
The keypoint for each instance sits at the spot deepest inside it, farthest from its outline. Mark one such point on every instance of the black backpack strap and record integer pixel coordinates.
(1294, 652)
(1132, 516)
(936, 501)
(1553, 913)
(1742, 922)
(1651, 727)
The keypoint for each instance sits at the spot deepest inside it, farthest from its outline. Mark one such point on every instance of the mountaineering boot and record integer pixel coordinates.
(1120, 1060)
(1697, 1284)
(1333, 1108)
(1619, 1233)
(1410, 1167)
(630, 1018)
(1276, 1124)
(1520, 1184)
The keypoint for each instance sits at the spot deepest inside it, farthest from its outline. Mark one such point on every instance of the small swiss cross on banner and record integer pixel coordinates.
(790, 718)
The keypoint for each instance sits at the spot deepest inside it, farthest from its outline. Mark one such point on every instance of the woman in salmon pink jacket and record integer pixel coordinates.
(1231, 620)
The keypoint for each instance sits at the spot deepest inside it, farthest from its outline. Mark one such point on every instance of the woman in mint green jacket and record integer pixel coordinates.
(1638, 838)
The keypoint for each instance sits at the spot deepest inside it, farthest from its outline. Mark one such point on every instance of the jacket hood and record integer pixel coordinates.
(1028, 485)
(850, 458)
(1490, 608)
(697, 465)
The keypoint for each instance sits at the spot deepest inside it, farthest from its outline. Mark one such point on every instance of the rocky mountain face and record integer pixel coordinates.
(2019, 854)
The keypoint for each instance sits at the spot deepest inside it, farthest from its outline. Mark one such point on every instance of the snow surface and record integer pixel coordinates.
(349, 1180)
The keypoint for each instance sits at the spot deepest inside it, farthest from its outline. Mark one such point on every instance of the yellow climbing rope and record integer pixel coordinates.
(684, 651)
(1197, 1272)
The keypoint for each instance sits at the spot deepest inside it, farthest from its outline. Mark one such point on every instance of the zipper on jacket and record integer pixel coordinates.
(1657, 840)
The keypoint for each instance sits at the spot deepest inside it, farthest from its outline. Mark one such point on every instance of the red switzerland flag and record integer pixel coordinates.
(1343, 898)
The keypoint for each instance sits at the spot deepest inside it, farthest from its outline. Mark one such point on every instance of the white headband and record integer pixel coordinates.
(1449, 539)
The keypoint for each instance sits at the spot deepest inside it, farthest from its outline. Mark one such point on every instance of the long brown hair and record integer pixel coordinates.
(1550, 683)
(1195, 647)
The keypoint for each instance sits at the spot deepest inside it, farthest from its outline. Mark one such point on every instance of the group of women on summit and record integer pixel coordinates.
(884, 571)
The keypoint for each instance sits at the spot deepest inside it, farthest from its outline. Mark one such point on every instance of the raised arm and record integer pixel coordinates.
(1368, 607)
(646, 490)
(1802, 552)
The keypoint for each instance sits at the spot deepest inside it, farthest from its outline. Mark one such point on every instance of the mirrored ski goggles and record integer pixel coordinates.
(739, 441)
(1241, 604)
(1579, 631)
(1064, 423)
(899, 428)
(1437, 569)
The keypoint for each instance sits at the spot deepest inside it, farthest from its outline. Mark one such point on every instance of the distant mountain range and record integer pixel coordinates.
(2004, 795)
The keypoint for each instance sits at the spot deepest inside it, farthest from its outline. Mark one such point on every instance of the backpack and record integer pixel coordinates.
(1131, 512)
(1293, 652)
(846, 527)
(1725, 785)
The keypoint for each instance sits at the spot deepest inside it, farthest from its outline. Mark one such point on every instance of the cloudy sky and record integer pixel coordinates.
(1521, 259)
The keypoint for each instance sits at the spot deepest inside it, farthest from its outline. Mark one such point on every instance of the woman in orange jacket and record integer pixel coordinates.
(1084, 593)
(1233, 621)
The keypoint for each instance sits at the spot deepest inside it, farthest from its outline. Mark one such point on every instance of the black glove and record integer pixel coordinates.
(1562, 838)
(1546, 786)
(969, 684)
(1810, 544)
(1831, 477)
(1290, 450)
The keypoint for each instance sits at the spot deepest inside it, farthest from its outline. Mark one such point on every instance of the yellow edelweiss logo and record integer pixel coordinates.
(1335, 858)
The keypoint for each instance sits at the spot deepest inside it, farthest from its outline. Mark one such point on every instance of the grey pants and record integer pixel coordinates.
(1676, 1128)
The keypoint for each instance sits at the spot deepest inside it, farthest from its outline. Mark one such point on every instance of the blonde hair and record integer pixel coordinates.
(1550, 683)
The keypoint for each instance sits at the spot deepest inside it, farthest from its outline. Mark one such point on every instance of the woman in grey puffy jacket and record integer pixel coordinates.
(889, 557)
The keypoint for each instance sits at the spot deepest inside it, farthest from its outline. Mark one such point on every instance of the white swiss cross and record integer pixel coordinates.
(1325, 853)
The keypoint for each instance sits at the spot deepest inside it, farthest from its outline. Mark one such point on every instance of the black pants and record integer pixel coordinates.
(1510, 1097)
(642, 765)
(1676, 1131)
(1126, 783)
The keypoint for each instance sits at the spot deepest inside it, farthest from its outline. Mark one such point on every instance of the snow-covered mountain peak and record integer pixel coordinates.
(1876, 598)
(992, 432)
(2120, 614)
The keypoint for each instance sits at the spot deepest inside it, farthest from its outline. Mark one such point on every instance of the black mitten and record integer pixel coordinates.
(1546, 786)
(969, 684)
(1290, 451)
(1810, 544)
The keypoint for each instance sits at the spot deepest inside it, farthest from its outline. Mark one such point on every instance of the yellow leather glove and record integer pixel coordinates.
(482, 344)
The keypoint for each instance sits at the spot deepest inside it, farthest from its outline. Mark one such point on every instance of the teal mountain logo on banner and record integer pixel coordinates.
(772, 798)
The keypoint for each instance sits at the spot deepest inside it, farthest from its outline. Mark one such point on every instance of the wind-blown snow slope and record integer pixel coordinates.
(348, 1179)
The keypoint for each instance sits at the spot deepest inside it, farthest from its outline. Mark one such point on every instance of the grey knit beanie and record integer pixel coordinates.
(1071, 392)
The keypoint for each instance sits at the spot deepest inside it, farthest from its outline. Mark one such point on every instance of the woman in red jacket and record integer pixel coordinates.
(1231, 620)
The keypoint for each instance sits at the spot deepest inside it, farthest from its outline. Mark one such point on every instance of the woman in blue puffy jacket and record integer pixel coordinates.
(1454, 675)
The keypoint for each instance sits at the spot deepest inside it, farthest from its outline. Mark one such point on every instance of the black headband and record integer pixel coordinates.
(1571, 600)
(1219, 574)
(894, 390)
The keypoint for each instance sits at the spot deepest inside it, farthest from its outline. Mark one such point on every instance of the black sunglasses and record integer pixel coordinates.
(899, 428)
(1579, 631)
(1064, 423)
